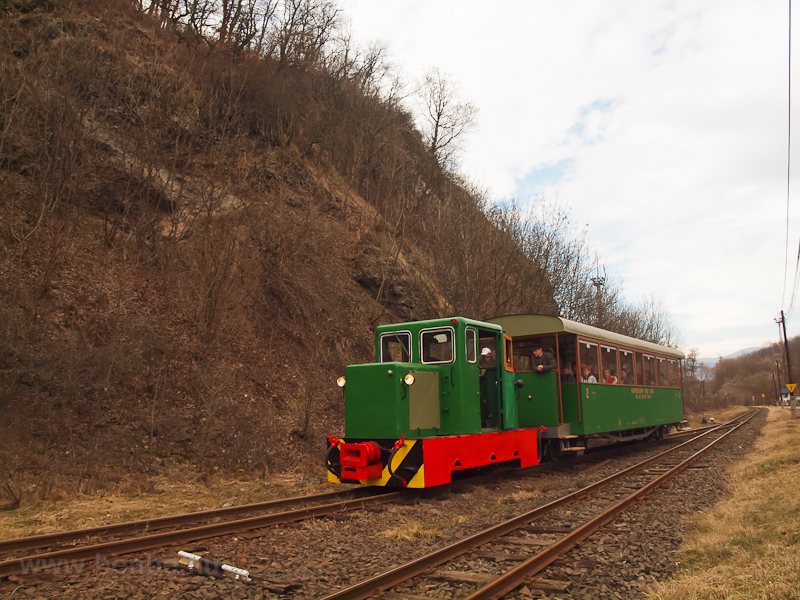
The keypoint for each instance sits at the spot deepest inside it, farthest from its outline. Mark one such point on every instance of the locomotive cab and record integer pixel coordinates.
(448, 392)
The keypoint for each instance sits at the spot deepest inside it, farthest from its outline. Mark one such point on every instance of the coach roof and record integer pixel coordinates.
(524, 325)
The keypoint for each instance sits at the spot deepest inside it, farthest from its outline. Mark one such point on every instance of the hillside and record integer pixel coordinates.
(196, 240)
(202, 220)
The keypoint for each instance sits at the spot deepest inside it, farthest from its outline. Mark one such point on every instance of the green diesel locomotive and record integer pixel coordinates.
(446, 396)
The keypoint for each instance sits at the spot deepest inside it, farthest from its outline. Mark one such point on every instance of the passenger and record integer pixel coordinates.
(623, 378)
(608, 377)
(567, 376)
(587, 375)
(543, 362)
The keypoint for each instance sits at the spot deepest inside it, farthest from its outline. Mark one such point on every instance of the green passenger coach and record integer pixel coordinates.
(445, 396)
(607, 385)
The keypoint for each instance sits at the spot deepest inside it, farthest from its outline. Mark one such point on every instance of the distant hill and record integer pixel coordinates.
(710, 362)
(749, 350)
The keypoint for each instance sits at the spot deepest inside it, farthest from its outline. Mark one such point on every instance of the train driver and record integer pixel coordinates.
(487, 359)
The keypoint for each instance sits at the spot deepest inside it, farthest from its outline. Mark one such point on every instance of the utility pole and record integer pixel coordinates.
(777, 391)
(792, 400)
(599, 282)
(782, 322)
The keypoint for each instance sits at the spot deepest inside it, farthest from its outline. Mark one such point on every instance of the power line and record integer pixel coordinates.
(788, 174)
(794, 285)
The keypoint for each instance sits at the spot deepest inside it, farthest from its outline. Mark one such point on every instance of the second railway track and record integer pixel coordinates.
(228, 546)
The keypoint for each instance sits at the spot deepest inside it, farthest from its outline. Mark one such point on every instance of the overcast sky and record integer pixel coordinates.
(662, 125)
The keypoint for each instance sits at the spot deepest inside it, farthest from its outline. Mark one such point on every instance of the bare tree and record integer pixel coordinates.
(303, 29)
(446, 118)
(704, 374)
(649, 321)
(690, 364)
(198, 14)
(245, 23)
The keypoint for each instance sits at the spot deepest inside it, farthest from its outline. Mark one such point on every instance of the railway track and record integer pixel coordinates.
(81, 550)
(15, 557)
(71, 547)
(550, 530)
(145, 525)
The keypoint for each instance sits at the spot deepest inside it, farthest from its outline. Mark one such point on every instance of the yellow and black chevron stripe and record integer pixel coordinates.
(407, 465)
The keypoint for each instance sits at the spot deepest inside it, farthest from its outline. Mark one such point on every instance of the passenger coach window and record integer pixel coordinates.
(437, 346)
(396, 347)
(663, 375)
(609, 358)
(674, 380)
(472, 353)
(567, 356)
(626, 371)
(639, 367)
(589, 359)
(649, 369)
(523, 351)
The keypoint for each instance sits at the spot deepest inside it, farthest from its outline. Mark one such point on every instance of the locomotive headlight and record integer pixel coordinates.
(340, 382)
(408, 379)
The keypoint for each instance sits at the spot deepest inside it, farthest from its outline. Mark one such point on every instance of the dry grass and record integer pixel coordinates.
(412, 530)
(746, 547)
(525, 495)
(430, 522)
(156, 497)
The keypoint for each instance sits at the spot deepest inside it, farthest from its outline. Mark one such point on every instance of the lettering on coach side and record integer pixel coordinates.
(642, 393)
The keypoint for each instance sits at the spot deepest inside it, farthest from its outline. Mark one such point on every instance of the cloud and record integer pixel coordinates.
(662, 125)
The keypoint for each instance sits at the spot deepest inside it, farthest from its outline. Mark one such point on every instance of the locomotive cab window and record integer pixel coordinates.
(438, 346)
(396, 347)
(472, 352)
